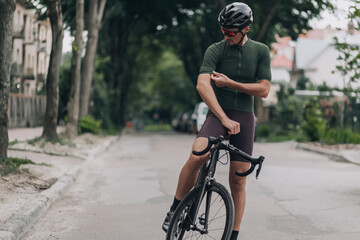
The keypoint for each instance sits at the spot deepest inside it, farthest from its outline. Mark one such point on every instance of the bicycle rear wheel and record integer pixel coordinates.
(220, 218)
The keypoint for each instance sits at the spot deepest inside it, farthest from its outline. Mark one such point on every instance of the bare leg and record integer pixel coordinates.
(238, 190)
(190, 170)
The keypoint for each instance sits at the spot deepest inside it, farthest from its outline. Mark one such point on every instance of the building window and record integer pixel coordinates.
(18, 55)
(18, 24)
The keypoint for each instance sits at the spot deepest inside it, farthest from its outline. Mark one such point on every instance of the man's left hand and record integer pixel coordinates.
(220, 80)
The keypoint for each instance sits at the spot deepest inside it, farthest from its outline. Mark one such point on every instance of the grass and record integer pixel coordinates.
(12, 143)
(61, 140)
(33, 141)
(12, 165)
(157, 127)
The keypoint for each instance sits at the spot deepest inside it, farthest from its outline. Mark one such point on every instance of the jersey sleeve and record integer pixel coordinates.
(211, 58)
(264, 69)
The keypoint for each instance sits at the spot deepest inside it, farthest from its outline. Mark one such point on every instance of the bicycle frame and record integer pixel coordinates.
(207, 172)
(205, 178)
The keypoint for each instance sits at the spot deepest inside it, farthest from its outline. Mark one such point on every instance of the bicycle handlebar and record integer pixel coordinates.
(212, 140)
(231, 148)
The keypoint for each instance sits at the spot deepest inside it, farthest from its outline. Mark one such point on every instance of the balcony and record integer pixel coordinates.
(19, 34)
(17, 70)
(29, 74)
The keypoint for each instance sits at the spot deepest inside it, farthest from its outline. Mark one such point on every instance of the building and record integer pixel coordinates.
(312, 56)
(316, 57)
(31, 50)
(282, 56)
(282, 60)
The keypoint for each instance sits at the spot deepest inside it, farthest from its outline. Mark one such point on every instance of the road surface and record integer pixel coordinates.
(125, 194)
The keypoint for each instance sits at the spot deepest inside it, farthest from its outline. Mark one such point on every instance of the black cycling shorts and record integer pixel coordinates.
(243, 140)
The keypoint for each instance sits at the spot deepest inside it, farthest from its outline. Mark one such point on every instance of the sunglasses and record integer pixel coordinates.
(229, 33)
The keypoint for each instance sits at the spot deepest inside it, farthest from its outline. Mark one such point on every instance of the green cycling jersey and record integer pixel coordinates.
(246, 64)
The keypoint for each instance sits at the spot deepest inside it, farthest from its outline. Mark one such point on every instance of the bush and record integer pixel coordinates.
(89, 124)
(263, 130)
(274, 133)
(332, 136)
(288, 110)
(314, 122)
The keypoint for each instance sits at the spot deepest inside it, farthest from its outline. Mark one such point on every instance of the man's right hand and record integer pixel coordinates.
(232, 126)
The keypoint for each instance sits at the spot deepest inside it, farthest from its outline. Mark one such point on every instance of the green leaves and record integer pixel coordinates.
(156, 47)
(349, 53)
(314, 123)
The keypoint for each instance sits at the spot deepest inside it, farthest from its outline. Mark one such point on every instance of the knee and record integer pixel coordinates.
(195, 162)
(237, 184)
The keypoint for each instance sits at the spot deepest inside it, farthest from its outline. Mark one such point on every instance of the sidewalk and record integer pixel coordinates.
(22, 134)
(26, 197)
(346, 155)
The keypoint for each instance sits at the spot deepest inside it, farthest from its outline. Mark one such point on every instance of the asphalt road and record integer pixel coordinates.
(125, 194)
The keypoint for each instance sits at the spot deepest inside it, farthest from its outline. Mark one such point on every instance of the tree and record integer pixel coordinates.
(349, 60)
(187, 28)
(349, 53)
(7, 9)
(52, 81)
(73, 115)
(96, 10)
(159, 93)
(123, 27)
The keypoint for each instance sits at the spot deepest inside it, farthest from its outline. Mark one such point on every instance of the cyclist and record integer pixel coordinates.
(233, 71)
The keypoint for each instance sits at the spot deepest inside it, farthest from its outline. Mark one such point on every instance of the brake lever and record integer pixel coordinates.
(261, 160)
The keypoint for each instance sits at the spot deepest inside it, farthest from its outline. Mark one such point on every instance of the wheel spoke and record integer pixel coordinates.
(216, 210)
(213, 219)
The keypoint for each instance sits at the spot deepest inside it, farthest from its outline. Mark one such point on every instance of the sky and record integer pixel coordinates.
(337, 20)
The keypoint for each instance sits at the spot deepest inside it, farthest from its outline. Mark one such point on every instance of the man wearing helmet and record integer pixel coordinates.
(233, 71)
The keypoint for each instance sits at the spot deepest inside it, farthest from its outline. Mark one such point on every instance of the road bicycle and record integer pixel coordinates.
(207, 211)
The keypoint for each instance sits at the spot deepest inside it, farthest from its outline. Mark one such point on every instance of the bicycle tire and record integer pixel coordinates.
(180, 231)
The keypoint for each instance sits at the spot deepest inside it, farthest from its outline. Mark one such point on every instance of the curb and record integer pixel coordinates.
(334, 155)
(44, 152)
(17, 225)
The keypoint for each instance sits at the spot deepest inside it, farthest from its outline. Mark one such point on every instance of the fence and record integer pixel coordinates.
(26, 111)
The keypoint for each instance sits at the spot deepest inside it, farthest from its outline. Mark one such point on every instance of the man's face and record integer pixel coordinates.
(233, 35)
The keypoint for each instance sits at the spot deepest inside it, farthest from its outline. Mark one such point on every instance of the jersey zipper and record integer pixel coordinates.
(236, 91)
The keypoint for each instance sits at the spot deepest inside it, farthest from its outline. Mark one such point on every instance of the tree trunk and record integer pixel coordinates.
(7, 9)
(96, 10)
(52, 81)
(259, 107)
(269, 17)
(73, 115)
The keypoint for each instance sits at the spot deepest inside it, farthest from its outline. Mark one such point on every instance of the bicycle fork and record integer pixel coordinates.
(194, 209)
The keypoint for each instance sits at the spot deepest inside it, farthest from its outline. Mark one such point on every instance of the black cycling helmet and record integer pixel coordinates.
(235, 15)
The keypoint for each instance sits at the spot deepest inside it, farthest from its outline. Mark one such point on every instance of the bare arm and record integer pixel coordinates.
(207, 94)
(260, 89)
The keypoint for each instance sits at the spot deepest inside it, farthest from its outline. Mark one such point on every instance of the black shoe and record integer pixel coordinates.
(167, 220)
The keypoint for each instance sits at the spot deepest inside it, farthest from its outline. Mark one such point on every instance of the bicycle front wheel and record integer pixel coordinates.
(214, 219)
